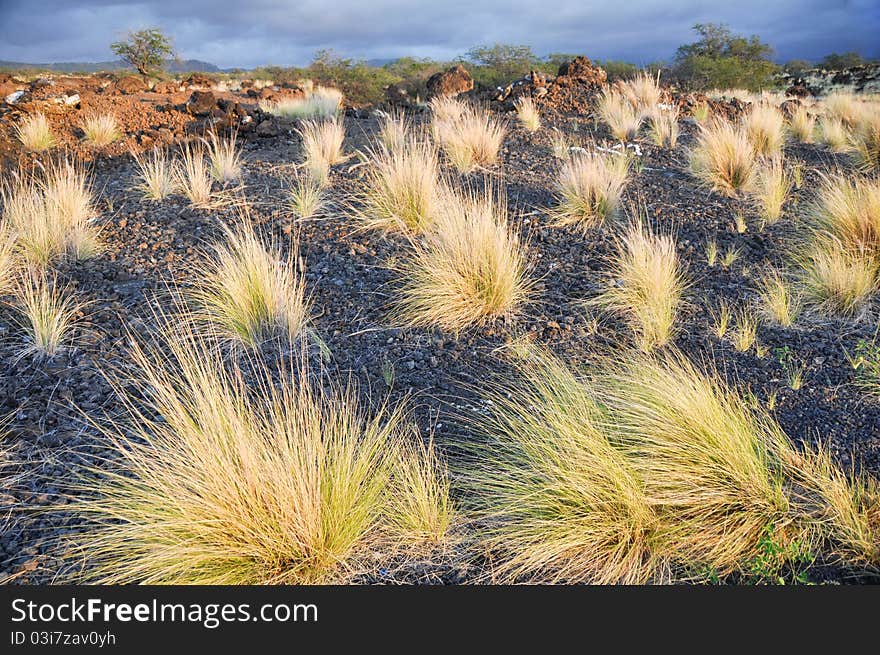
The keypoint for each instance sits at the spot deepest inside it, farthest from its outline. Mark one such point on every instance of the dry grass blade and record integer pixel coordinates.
(100, 130)
(779, 301)
(618, 113)
(194, 174)
(322, 146)
(765, 127)
(48, 314)
(528, 114)
(473, 139)
(724, 158)
(664, 127)
(771, 189)
(802, 125)
(225, 157)
(158, 175)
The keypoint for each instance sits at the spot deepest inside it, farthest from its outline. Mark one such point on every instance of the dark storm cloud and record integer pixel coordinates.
(240, 33)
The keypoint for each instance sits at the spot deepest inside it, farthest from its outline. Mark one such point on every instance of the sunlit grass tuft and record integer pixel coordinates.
(158, 174)
(100, 130)
(472, 140)
(619, 114)
(589, 188)
(35, 133)
(322, 146)
(194, 176)
(724, 158)
(224, 156)
(765, 127)
(528, 113)
(48, 314)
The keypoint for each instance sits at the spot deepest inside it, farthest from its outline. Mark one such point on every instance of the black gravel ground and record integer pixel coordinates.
(149, 245)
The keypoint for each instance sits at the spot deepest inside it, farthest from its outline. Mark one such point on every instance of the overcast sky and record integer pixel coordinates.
(244, 33)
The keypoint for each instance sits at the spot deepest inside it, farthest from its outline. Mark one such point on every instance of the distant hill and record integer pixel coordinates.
(172, 66)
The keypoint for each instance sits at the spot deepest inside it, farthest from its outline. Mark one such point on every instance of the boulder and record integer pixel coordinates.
(581, 71)
(168, 87)
(131, 84)
(450, 82)
(200, 103)
(198, 80)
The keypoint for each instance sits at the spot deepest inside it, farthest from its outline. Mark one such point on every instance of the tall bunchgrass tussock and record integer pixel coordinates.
(848, 209)
(445, 109)
(320, 103)
(724, 158)
(646, 285)
(322, 146)
(35, 133)
(834, 133)
(589, 188)
(556, 499)
(403, 190)
(745, 332)
(194, 176)
(866, 143)
(528, 114)
(48, 314)
(643, 92)
(157, 174)
(619, 114)
(771, 189)
(251, 477)
(472, 140)
(307, 197)
(802, 125)
(664, 127)
(395, 130)
(224, 157)
(765, 127)
(249, 292)
(51, 214)
(844, 107)
(780, 302)
(100, 130)
(470, 269)
(836, 280)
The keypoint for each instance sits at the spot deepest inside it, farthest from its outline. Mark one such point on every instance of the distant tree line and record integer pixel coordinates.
(717, 59)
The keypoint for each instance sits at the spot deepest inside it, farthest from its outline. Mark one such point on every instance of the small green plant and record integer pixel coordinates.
(794, 370)
(388, 373)
(778, 561)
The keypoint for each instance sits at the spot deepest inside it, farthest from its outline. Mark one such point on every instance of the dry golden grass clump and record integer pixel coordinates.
(619, 114)
(643, 92)
(867, 142)
(100, 130)
(472, 140)
(557, 500)
(844, 107)
(780, 302)
(8, 262)
(802, 125)
(646, 285)
(252, 478)
(589, 188)
(664, 127)
(649, 467)
(446, 109)
(35, 133)
(471, 268)
(528, 113)
(249, 293)
(322, 146)
(771, 188)
(224, 157)
(765, 127)
(157, 174)
(836, 280)
(317, 104)
(50, 216)
(834, 133)
(403, 190)
(194, 176)
(307, 197)
(394, 130)
(48, 314)
(849, 210)
(724, 158)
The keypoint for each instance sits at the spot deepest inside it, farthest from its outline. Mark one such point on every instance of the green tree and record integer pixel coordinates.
(721, 59)
(146, 50)
(837, 62)
(501, 63)
(796, 66)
